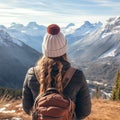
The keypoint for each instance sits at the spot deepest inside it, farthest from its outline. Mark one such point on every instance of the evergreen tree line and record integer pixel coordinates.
(115, 91)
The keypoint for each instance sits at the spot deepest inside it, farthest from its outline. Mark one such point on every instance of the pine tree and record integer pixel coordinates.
(116, 88)
(97, 92)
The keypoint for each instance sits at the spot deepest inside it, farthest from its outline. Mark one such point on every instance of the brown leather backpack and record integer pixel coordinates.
(53, 105)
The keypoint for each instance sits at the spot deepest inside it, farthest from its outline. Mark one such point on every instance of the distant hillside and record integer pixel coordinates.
(102, 69)
(15, 58)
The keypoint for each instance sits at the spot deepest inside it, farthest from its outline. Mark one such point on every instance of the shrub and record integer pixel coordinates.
(12, 93)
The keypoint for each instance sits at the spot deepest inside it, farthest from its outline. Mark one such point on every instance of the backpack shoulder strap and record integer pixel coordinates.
(36, 71)
(68, 76)
(66, 79)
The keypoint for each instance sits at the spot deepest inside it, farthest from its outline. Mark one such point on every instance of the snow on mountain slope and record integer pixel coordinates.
(15, 59)
(33, 41)
(69, 29)
(31, 34)
(5, 37)
(102, 42)
(110, 52)
(87, 27)
(34, 29)
(82, 31)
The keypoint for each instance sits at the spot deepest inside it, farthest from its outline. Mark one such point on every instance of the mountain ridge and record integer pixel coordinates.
(16, 58)
(96, 43)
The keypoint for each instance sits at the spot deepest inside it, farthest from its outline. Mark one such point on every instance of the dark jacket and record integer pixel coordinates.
(77, 90)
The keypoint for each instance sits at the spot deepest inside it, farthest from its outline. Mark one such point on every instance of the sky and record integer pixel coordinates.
(61, 12)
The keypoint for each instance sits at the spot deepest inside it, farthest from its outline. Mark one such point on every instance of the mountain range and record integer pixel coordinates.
(82, 31)
(15, 58)
(31, 34)
(98, 53)
(93, 47)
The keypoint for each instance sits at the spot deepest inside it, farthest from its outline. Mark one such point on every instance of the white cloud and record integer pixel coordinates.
(4, 6)
(107, 3)
(62, 12)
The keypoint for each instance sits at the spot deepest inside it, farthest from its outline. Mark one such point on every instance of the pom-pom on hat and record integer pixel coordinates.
(53, 29)
(54, 43)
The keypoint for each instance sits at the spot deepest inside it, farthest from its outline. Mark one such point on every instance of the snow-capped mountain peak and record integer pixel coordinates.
(87, 23)
(114, 20)
(82, 31)
(69, 29)
(4, 35)
(32, 25)
(70, 25)
(112, 27)
(16, 26)
(2, 27)
(101, 43)
(5, 39)
(113, 24)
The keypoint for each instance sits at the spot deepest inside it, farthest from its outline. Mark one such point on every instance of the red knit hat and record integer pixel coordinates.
(54, 43)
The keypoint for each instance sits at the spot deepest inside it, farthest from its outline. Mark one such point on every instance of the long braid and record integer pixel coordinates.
(59, 77)
(46, 66)
(45, 73)
(48, 77)
(42, 75)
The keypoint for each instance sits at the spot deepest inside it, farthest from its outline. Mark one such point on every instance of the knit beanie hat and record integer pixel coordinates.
(54, 43)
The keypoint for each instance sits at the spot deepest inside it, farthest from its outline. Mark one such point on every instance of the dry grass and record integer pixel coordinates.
(13, 105)
(104, 110)
(101, 110)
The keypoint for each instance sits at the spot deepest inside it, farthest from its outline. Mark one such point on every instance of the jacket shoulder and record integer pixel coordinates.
(31, 79)
(30, 71)
(79, 74)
